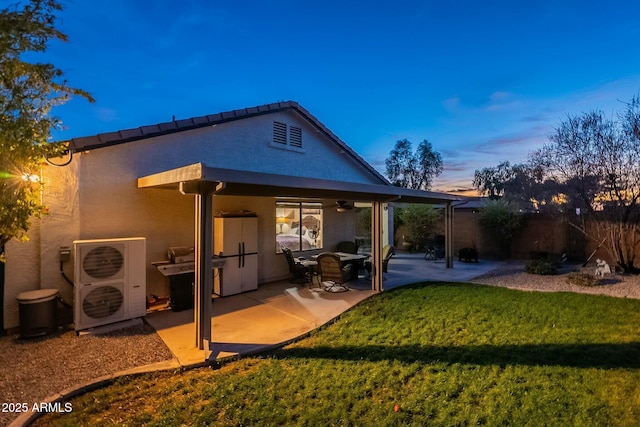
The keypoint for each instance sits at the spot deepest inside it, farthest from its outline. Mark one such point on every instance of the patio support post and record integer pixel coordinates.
(203, 246)
(448, 242)
(376, 246)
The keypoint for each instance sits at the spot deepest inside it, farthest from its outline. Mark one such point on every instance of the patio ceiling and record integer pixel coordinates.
(245, 183)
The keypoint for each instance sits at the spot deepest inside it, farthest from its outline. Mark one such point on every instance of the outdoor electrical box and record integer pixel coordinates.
(65, 253)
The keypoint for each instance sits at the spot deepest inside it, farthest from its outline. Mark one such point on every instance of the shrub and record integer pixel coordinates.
(553, 258)
(420, 221)
(582, 279)
(537, 266)
(538, 255)
(500, 221)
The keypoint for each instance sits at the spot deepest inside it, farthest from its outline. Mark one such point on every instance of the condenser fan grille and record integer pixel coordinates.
(103, 262)
(102, 302)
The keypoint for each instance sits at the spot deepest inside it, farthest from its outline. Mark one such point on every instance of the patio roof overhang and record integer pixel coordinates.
(245, 183)
(203, 182)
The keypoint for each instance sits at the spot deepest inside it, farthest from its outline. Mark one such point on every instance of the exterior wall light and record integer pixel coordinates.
(27, 177)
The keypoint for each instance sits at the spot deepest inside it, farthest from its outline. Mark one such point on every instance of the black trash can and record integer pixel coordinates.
(38, 312)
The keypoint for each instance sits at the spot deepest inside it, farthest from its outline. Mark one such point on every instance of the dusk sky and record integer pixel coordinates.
(483, 81)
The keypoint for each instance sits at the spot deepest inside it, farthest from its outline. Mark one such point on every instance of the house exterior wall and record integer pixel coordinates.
(244, 145)
(36, 263)
(22, 272)
(96, 197)
(60, 227)
(166, 217)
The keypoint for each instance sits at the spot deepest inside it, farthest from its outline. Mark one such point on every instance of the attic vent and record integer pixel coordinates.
(288, 139)
(280, 133)
(295, 137)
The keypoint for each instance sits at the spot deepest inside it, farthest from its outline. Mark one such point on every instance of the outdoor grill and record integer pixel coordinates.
(182, 261)
(179, 269)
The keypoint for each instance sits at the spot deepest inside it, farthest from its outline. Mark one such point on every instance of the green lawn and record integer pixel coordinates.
(443, 354)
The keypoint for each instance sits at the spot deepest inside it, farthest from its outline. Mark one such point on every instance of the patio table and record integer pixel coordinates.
(350, 257)
(310, 265)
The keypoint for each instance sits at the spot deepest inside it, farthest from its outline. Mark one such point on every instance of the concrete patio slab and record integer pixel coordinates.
(406, 268)
(254, 321)
(279, 312)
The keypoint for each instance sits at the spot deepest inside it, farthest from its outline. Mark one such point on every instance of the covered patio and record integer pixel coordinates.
(281, 311)
(203, 183)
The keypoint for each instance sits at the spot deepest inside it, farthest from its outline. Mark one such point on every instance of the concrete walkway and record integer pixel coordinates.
(279, 312)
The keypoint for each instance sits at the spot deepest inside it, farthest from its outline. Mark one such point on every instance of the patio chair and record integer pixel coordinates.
(331, 269)
(298, 271)
(387, 252)
(435, 248)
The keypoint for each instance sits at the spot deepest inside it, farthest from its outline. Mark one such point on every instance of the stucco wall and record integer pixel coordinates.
(111, 205)
(60, 227)
(244, 145)
(96, 197)
(22, 272)
(36, 264)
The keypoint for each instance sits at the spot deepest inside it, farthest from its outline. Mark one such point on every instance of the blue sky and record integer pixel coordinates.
(483, 81)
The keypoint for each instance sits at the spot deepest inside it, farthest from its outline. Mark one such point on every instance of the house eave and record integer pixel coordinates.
(246, 183)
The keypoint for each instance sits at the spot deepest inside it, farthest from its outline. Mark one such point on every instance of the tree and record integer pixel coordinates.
(500, 220)
(28, 92)
(415, 170)
(524, 185)
(420, 221)
(491, 181)
(596, 163)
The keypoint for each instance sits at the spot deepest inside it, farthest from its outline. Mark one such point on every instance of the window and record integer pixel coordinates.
(298, 226)
(291, 139)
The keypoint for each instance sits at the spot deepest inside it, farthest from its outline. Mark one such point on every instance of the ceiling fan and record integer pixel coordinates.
(342, 206)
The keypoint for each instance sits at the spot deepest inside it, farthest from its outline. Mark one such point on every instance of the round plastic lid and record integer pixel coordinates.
(40, 295)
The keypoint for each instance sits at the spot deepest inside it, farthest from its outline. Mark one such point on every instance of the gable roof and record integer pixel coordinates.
(175, 126)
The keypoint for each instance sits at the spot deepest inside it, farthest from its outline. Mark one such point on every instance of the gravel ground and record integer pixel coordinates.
(35, 368)
(513, 276)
